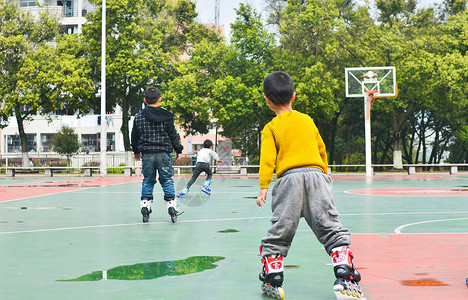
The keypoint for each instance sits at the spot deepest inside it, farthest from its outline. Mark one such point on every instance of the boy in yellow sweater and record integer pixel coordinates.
(303, 189)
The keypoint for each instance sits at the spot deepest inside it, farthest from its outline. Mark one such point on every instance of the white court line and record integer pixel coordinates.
(398, 229)
(128, 224)
(219, 220)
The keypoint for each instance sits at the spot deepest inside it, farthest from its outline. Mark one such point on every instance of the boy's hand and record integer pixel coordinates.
(177, 157)
(137, 156)
(262, 197)
(220, 161)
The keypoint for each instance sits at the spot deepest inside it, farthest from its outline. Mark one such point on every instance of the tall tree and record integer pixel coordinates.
(35, 77)
(144, 40)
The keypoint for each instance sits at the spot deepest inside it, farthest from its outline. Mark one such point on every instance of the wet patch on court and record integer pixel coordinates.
(423, 282)
(153, 270)
(291, 267)
(228, 231)
(246, 186)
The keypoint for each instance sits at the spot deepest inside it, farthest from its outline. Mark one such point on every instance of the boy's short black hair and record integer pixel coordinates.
(278, 87)
(152, 95)
(207, 144)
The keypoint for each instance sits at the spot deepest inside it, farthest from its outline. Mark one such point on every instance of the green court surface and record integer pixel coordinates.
(83, 238)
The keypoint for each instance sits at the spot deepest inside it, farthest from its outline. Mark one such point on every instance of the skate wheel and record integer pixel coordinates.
(280, 293)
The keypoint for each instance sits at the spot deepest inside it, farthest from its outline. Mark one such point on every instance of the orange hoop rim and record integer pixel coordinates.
(372, 93)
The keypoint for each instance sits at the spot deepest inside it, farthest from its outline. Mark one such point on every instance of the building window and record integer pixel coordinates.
(90, 143)
(45, 142)
(13, 144)
(27, 3)
(68, 8)
(111, 142)
(32, 142)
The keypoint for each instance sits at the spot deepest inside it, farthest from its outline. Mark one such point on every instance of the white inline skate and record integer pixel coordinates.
(145, 206)
(173, 209)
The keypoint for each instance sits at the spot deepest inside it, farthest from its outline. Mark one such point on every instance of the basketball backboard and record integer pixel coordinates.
(360, 80)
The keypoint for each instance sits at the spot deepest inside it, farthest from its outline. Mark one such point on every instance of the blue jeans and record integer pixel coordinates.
(162, 163)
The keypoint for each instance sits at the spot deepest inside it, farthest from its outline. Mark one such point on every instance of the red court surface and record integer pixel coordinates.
(17, 191)
(412, 266)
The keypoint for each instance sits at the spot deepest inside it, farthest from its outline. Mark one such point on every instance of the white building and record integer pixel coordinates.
(40, 130)
(70, 13)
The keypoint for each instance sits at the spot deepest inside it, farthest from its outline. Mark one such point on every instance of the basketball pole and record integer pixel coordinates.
(367, 127)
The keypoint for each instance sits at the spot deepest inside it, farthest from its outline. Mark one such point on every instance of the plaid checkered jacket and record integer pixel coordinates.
(154, 131)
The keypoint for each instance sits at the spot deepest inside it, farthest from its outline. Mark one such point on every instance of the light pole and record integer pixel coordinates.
(103, 157)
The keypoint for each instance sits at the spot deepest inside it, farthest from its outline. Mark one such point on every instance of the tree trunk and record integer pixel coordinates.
(23, 139)
(125, 127)
(397, 157)
(129, 160)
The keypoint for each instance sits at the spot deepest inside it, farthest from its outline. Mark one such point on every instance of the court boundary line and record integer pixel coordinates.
(399, 228)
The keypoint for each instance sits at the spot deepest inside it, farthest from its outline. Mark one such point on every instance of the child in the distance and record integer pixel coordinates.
(203, 165)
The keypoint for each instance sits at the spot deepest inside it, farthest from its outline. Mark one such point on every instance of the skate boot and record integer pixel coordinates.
(183, 192)
(272, 276)
(173, 209)
(206, 187)
(347, 277)
(145, 205)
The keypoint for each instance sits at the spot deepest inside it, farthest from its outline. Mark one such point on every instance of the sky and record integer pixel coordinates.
(227, 14)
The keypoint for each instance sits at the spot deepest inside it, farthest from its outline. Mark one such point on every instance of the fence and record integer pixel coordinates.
(116, 163)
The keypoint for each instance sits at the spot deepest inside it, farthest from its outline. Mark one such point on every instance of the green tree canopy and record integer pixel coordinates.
(66, 142)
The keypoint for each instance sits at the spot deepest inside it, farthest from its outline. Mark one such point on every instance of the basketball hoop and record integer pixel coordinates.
(370, 83)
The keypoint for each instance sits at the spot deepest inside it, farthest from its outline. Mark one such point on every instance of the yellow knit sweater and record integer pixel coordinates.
(291, 140)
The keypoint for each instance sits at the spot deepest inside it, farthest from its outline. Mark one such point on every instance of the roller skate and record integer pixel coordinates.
(145, 205)
(206, 187)
(347, 277)
(173, 209)
(183, 192)
(272, 276)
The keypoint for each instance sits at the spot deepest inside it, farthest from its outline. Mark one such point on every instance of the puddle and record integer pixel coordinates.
(153, 270)
(423, 282)
(291, 266)
(228, 231)
(242, 186)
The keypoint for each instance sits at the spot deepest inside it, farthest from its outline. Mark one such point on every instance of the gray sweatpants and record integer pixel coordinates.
(308, 193)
